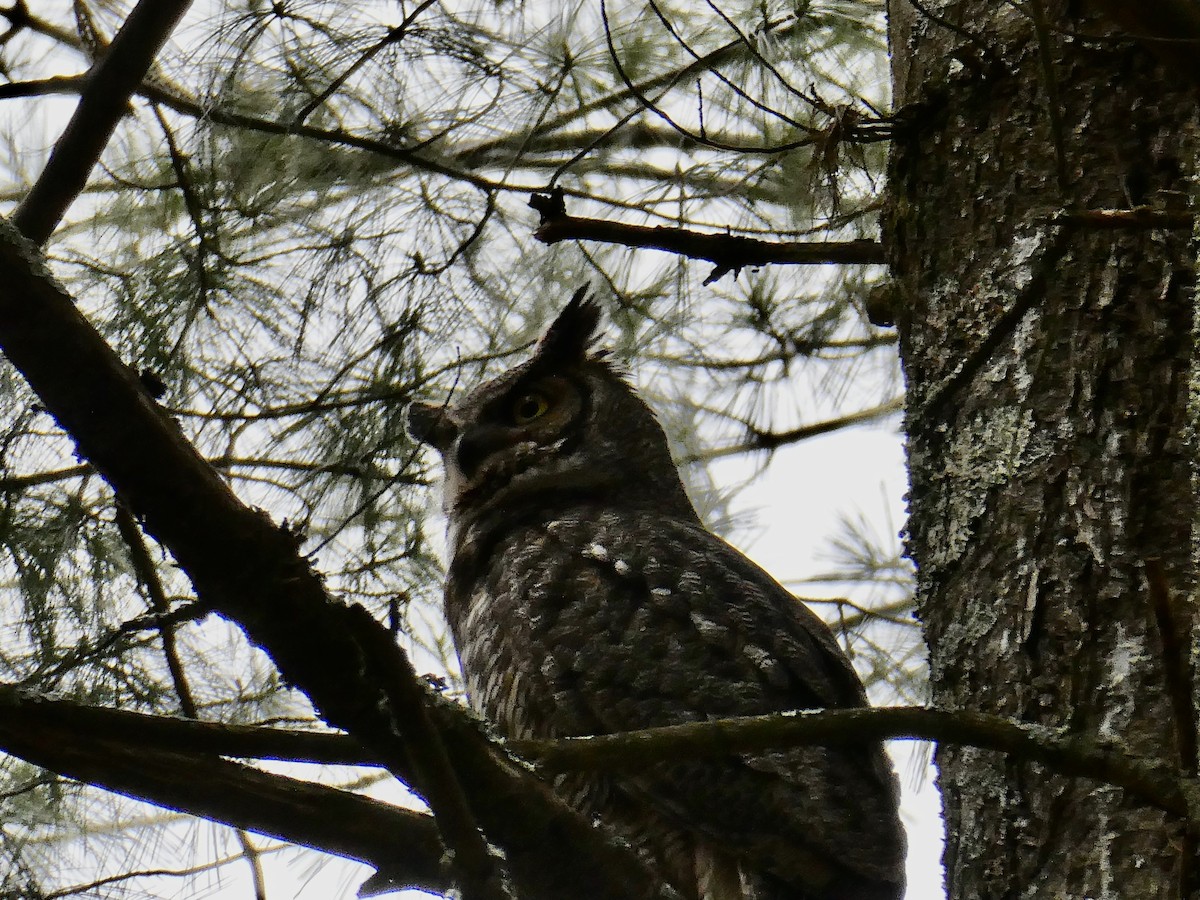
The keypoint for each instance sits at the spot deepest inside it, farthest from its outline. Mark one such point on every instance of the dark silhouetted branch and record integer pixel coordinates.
(31, 712)
(65, 739)
(1151, 781)
(728, 252)
(114, 78)
(42, 87)
(479, 877)
(773, 440)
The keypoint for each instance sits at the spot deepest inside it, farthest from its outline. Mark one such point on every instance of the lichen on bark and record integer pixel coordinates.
(1051, 378)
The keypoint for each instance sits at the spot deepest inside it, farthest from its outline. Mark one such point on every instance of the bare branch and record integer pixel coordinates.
(42, 87)
(1082, 756)
(1137, 217)
(194, 781)
(479, 877)
(147, 575)
(729, 252)
(758, 439)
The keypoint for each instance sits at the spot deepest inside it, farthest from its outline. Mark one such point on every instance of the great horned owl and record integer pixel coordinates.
(585, 596)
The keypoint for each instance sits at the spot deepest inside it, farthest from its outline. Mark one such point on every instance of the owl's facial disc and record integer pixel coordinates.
(510, 437)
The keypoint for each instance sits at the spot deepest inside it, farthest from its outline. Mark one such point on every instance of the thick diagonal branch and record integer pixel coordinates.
(119, 758)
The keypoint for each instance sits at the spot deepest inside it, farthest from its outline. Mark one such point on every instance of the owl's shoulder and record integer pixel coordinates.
(662, 593)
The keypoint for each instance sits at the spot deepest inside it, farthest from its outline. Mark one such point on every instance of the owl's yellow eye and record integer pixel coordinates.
(529, 407)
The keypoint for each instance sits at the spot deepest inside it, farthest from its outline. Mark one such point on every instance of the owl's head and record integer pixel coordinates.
(561, 428)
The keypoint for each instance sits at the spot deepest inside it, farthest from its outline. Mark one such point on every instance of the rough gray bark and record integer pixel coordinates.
(1049, 365)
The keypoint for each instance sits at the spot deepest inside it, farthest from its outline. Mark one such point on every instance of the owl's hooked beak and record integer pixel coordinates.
(432, 425)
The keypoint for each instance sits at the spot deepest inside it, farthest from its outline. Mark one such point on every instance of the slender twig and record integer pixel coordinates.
(659, 84)
(253, 857)
(143, 567)
(898, 613)
(799, 347)
(772, 440)
(393, 36)
(205, 242)
(187, 106)
(653, 108)
(733, 86)
(91, 887)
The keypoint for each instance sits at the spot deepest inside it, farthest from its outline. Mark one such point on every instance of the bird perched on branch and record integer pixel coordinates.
(585, 596)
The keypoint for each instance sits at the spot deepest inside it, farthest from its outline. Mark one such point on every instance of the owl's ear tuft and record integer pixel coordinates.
(431, 425)
(573, 332)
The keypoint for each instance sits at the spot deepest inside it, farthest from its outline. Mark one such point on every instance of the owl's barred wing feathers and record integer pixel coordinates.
(633, 621)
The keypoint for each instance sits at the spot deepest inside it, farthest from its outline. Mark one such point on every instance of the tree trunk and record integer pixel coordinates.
(1049, 360)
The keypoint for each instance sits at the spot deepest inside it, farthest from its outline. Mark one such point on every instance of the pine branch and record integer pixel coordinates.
(62, 737)
(29, 712)
(728, 252)
(1068, 754)
(758, 439)
(110, 83)
(43, 87)
(147, 576)
(479, 875)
